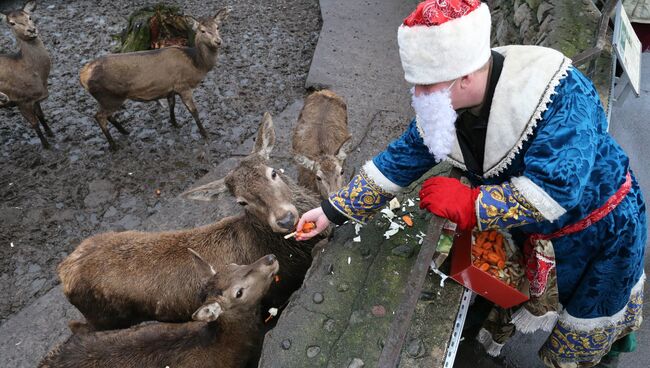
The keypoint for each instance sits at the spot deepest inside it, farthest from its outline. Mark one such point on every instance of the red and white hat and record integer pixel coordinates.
(443, 40)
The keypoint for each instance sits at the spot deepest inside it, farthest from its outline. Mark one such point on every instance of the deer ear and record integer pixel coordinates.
(265, 137)
(193, 23)
(208, 312)
(304, 161)
(342, 152)
(29, 7)
(222, 14)
(206, 192)
(205, 269)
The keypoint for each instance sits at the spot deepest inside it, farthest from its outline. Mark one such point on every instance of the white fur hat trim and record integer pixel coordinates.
(433, 54)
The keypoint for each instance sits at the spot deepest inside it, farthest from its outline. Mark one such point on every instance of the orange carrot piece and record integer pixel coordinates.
(408, 220)
(493, 258)
(501, 264)
(307, 227)
(492, 235)
(487, 245)
(484, 267)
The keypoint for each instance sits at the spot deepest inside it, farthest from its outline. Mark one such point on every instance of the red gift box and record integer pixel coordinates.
(481, 282)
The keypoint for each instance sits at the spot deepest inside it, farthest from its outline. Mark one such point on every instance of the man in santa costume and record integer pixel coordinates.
(530, 133)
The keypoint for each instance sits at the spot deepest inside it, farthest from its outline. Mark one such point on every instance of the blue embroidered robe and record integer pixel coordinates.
(549, 162)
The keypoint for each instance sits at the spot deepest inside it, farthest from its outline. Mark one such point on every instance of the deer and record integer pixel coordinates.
(153, 75)
(225, 331)
(118, 279)
(23, 75)
(320, 142)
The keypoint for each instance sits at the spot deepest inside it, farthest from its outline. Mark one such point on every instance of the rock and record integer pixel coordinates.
(312, 351)
(542, 10)
(100, 192)
(33, 268)
(129, 222)
(286, 344)
(318, 298)
(36, 285)
(415, 348)
(356, 363)
(343, 287)
(328, 325)
(404, 251)
(129, 203)
(522, 12)
(112, 211)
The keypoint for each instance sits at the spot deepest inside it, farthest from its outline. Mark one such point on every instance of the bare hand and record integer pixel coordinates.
(317, 216)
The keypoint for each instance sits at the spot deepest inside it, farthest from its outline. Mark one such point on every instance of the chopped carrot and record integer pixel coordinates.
(492, 235)
(307, 227)
(407, 219)
(501, 264)
(493, 258)
(486, 245)
(484, 267)
(482, 236)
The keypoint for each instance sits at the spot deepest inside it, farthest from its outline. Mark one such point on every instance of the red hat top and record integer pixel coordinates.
(436, 12)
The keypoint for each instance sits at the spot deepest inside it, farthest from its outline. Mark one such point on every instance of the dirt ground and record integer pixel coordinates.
(51, 200)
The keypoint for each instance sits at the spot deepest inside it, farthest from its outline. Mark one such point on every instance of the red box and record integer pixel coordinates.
(480, 282)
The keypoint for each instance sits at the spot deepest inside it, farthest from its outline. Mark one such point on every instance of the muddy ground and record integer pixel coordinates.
(51, 200)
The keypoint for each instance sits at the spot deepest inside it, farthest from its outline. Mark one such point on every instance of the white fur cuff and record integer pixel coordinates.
(543, 202)
(373, 173)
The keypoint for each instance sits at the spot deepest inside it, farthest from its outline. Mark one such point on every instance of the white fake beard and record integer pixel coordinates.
(437, 121)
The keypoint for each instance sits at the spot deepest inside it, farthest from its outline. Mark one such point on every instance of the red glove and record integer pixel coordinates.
(449, 198)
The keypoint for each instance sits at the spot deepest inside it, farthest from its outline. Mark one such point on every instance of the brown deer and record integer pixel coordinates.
(226, 334)
(119, 279)
(23, 75)
(153, 75)
(320, 141)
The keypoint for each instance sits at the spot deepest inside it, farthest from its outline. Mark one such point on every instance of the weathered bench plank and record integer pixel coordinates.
(343, 313)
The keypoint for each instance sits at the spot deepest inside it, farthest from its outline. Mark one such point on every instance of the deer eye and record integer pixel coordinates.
(274, 174)
(342, 171)
(242, 203)
(12, 23)
(319, 178)
(240, 292)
